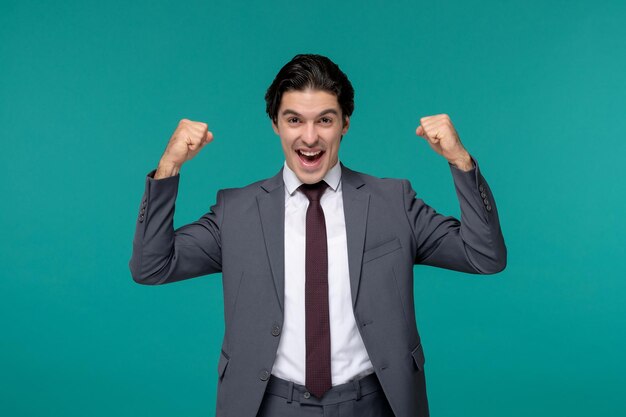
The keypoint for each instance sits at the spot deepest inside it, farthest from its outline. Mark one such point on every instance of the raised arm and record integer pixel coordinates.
(160, 253)
(474, 244)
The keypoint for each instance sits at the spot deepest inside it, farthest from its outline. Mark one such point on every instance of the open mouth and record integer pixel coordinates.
(310, 158)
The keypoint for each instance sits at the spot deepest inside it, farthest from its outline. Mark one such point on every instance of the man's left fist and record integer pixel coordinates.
(440, 134)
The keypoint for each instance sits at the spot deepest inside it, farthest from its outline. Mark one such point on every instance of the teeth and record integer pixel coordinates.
(305, 153)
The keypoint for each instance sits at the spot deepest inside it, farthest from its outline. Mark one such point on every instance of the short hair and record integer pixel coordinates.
(310, 71)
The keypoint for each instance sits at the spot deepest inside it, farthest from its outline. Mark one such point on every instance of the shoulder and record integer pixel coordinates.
(373, 184)
(253, 189)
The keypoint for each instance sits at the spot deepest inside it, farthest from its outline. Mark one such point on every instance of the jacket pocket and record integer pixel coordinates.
(418, 357)
(222, 364)
(381, 250)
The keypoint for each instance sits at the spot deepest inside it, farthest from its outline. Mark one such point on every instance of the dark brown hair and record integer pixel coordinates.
(310, 71)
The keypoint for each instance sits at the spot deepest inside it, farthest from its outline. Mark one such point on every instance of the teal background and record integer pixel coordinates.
(91, 91)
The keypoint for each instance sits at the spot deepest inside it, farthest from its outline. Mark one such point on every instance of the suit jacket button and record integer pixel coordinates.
(488, 207)
(264, 375)
(481, 188)
(275, 330)
(486, 201)
(307, 395)
(483, 195)
(141, 218)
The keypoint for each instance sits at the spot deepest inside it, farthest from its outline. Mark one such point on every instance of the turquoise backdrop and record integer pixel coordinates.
(91, 91)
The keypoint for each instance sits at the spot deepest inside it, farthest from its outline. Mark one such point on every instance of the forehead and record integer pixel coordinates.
(308, 101)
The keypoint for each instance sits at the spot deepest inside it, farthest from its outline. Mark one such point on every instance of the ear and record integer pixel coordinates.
(275, 127)
(346, 125)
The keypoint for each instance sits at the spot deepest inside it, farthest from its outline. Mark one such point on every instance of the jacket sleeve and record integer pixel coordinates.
(161, 254)
(475, 244)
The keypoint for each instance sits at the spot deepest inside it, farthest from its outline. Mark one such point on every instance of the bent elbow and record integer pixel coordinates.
(141, 278)
(499, 267)
(498, 263)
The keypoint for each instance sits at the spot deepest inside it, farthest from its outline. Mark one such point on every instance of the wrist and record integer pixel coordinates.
(463, 162)
(166, 169)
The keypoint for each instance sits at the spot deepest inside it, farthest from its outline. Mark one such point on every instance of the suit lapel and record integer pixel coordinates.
(272, 212)
(355, 207)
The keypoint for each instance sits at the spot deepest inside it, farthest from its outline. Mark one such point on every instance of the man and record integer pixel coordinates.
(317, 261)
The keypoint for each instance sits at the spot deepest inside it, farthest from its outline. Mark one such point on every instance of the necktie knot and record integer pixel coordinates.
(314, 191)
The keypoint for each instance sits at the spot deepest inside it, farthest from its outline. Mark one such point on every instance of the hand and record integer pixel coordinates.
(186, 141)
(440, 134)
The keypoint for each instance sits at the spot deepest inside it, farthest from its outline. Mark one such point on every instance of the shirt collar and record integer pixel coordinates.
(332, 178)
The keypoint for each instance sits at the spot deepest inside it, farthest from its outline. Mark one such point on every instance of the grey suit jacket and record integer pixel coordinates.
(388, 230)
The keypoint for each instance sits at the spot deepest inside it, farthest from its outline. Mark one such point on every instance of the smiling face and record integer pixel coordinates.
(310, 127)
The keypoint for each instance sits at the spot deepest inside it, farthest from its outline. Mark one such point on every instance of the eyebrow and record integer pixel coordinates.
(323, 112)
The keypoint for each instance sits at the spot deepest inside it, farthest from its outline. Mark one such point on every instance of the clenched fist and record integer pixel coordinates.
(440, 134)
(185, 143)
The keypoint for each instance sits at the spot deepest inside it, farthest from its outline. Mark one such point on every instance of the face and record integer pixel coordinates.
(310, 127)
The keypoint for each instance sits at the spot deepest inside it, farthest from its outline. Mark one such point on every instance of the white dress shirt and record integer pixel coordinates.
(349, 359)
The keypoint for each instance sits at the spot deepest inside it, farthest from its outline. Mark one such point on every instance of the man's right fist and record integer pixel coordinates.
(185, 143)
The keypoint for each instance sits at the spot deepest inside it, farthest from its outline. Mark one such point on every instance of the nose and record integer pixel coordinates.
(309, 135)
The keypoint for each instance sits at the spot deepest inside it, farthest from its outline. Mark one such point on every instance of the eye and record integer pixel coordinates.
(326, 120)
(293, 120)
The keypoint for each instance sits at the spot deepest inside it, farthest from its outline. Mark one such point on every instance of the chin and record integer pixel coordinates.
(310, 177)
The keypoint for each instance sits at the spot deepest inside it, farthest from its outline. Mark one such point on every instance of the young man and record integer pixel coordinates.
(317, 261)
